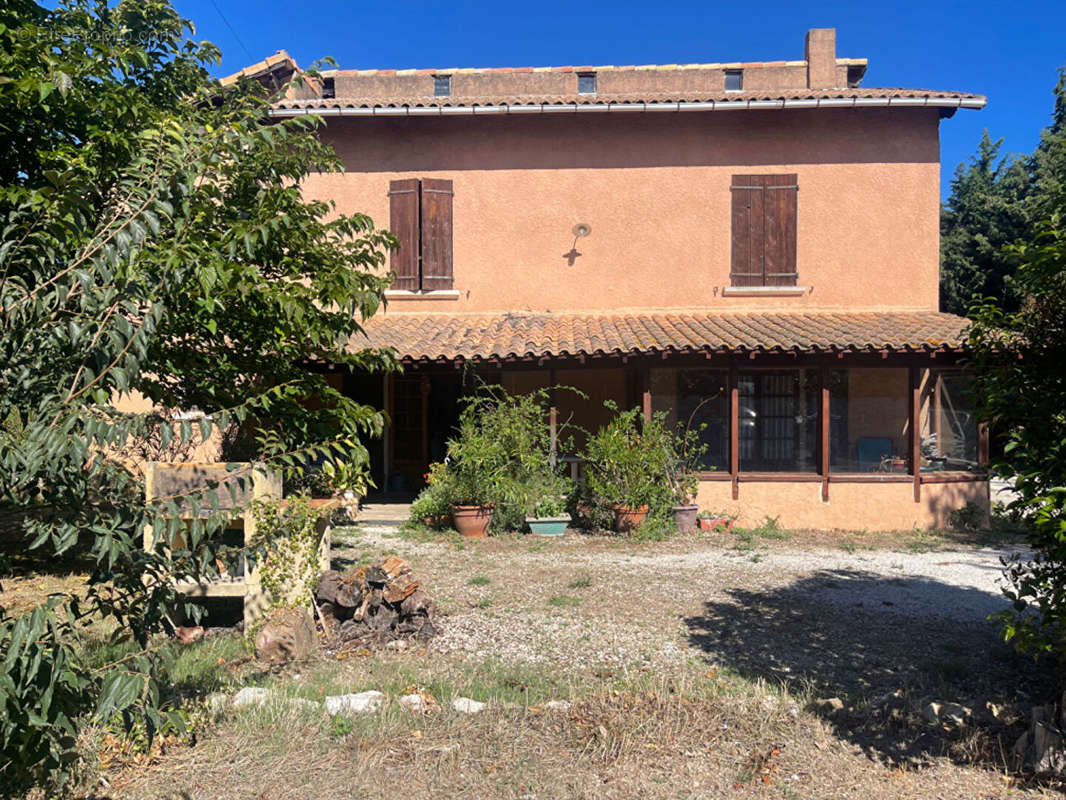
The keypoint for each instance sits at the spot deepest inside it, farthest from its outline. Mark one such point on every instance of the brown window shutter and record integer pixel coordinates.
(747, 247)
(436, 234)
(779, 206)
(403, 222)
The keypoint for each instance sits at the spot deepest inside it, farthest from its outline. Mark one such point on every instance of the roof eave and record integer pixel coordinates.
(946, 104)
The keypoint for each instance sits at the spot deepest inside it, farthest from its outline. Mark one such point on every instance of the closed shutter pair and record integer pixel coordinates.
(420, 214)
(764, 230)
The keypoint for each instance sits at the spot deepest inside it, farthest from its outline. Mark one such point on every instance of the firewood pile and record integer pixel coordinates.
(377, 603)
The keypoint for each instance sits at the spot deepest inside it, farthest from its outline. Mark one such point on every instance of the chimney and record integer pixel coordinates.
(820, 50)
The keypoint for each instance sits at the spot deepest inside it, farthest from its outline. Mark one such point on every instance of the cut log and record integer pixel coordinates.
(415, 603)
(394, 566)
(328, 584)
(376, 604)
(399, 588)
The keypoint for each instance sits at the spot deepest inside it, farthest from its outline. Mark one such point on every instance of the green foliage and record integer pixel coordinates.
(552, 501)
(564, 601)
(434, 503)
(1021, 386)
(290, 536)
(153, 237)
(995, 203)
(631, 461)
(987, 209)
(500, 456)
(349, 476)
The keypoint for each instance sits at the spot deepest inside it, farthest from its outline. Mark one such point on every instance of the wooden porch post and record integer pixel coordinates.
(553, 420)
(983, 452)
(823, 434)
(425, 388)
(915, 402)
(386, 440)
(734, 431)
(645, 384)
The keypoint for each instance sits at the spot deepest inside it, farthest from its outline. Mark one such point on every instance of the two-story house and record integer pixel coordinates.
(752, 247)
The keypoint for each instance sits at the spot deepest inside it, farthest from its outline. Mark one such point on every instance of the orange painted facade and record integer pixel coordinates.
(654, 188)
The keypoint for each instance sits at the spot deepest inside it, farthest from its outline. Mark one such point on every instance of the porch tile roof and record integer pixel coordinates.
(478, 337)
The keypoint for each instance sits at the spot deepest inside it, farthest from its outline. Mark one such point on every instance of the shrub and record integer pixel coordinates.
(631, 461)
(434, 503)
(500, 455)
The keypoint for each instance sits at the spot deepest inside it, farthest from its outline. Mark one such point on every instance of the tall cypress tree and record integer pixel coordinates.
(987, 210)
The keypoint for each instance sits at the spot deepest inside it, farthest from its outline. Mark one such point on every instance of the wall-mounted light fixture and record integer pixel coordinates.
(579, 230)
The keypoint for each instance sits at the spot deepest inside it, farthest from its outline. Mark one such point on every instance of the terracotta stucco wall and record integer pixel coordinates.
(851, 506)
(655, 189)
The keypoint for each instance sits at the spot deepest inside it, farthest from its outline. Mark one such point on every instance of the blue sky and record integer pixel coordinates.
(1009, 52)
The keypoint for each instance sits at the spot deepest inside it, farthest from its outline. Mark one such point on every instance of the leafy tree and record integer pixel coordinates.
(1048, 163)
(987, 209)
(995, 203)
(154, 238)
(1021, 386)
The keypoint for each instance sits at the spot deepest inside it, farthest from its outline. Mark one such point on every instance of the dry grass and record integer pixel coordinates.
(692, 672)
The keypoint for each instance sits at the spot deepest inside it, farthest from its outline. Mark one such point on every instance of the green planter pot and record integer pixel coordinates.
(548, 526)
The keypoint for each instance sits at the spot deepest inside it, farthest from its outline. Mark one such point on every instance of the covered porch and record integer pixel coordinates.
(824, 421)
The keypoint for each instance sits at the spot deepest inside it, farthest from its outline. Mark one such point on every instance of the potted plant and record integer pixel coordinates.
(348, 481)
(715, 521)
(626, 466)
(433, 506)
(548, 516)
(683, 453)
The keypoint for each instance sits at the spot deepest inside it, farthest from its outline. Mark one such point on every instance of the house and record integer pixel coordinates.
(751, 247)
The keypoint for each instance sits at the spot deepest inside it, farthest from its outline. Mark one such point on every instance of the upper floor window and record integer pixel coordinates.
(764, 230)
(420, 216)
(586, 83)
(329, 88)
(442, 85)
(734, 80)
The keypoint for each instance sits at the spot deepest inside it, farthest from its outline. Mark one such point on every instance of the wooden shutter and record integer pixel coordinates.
(747, 259)
(764, 230)
(403, 222)
(779, 224)
(436, 234)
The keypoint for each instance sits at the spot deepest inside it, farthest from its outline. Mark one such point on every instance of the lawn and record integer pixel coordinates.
(764, 663)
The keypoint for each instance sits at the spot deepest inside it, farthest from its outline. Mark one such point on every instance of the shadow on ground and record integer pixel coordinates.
(886, 647)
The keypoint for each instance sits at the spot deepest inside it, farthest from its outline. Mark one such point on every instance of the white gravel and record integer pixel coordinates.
(633, 616)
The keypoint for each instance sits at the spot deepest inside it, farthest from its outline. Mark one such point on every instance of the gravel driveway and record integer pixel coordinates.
(595, 602)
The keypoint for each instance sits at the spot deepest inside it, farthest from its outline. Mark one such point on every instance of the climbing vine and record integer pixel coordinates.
(293, 535)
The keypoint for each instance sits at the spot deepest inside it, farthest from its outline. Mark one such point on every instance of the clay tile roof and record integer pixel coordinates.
(473, 337)
(280, 60)
(641, 98)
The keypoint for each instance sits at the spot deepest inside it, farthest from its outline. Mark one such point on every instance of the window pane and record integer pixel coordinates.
(586, 83)
(778, 421)
(949, 426)
(734, 80)
(698, 398)
(868, 416)
(442, 85)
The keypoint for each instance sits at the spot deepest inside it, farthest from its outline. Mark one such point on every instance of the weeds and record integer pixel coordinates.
(478, 580)
(564, 600)
(582, 581)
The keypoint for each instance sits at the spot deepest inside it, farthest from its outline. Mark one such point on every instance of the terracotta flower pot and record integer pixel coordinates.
(472, 521)
(685, 517)
(627, 518)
